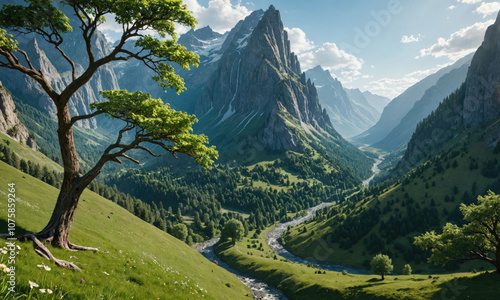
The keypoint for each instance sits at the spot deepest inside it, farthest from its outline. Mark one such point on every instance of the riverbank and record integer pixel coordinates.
(260, 289)
(298, 281)
(375, 169)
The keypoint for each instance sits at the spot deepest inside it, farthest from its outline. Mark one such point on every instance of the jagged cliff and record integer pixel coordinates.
(258, 88)
(476, 102)
(9, 123)
(482, 95)
(58, 71)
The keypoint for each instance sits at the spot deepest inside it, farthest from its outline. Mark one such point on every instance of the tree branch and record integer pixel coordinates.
(83, 117)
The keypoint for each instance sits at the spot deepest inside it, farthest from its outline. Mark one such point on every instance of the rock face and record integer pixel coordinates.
(400, 106)
(58, 71)
(348, 117)
(9, 123)
(475, 103)
(482, 96)
(258, 89)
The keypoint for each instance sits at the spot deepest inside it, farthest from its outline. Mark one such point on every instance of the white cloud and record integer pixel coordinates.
(330, 57)
(459, 44)
(469, 1)
(298, 40)
(411, 39)
(221, 15)
(451, 7)
(487, 9)
(392, 87)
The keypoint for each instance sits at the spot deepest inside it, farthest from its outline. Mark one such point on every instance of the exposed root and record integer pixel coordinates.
(81, 248)
(44, 252)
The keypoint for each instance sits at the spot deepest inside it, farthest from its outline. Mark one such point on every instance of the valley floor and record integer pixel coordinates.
(300, 281)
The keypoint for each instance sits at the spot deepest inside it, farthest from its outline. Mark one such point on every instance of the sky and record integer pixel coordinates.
(383, 46)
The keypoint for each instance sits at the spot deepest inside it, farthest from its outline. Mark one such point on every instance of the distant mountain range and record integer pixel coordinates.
(388, 133)
(350, 111)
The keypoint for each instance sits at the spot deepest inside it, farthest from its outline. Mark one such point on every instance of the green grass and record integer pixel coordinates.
(452, 182)
(24, 152)
(300, 282)
(136, 259)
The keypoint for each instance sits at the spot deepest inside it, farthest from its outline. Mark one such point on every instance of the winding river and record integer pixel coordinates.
(262, 290)
(375, 170)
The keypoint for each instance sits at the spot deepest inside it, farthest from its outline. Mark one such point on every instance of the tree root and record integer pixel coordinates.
(44, 252)
(81, 248)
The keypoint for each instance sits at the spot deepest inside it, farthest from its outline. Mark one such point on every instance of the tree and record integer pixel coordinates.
(381, 264)
(407, 270)
(233, 229)
(180, 231)
(478, 239)
(154, 122)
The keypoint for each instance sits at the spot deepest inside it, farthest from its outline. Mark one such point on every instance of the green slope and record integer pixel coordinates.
(388, 217)
(136, 259)
(298, 281)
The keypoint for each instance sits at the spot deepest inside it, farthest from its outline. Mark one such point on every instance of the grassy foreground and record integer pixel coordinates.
(136, 259)
(297, 281)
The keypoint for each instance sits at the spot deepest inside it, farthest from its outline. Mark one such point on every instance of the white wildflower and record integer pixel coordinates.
(32, 284)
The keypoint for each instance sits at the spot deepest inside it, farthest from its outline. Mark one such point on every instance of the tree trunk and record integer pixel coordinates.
(61, 220)
(382, 276)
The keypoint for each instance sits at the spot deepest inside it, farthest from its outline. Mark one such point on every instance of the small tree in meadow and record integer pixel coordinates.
(381, 264)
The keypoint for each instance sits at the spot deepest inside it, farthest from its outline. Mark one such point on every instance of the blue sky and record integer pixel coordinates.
(383, 46)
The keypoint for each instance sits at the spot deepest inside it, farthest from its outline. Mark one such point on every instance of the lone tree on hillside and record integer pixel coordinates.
(149, 121)
(381, 264)
(478, 239)
(233, 230)
(180, 231)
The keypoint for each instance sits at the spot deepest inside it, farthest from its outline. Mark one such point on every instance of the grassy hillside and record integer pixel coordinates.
(136, 259)
(386, 218)
(302, 282)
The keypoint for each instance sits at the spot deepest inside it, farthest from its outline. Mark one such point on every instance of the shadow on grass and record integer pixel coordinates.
(4, 228)
(481, 286)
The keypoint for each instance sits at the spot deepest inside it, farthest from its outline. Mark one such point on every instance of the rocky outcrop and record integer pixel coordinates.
(482, 96)
(258, 84)
(58, 71)
(9, 123)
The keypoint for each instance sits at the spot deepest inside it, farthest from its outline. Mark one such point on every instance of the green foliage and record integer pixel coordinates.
(407, 270)
(478, 239)
(233, 230)
(180, 231)
(158, 122)
(381, 264)
(136, 259)
(39, 16)
(7, 41)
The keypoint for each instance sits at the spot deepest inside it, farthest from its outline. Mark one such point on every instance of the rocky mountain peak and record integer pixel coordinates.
(258, 84)
(482, 96)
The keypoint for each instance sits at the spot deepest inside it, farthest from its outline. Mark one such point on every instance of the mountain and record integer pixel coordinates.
(452, 158)
(9, 122)
(402, 133)
(258, 96)
(371, 101)
(348, 117)
(475, 103)
(377, 101)
(398, 108)
(57, 70)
